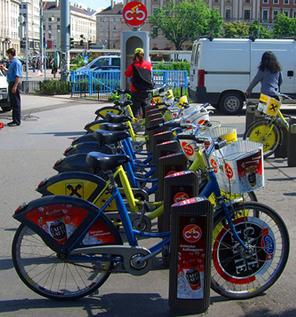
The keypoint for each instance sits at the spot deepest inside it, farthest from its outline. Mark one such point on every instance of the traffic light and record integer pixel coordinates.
(81, 42)
(89, 43)
(71, 42)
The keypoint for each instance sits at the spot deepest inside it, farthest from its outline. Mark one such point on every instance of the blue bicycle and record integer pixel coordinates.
(65, 248)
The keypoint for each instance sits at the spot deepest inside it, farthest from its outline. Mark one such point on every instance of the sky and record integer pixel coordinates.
(94, 4)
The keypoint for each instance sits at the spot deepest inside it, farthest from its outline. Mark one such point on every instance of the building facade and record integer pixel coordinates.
(110, 24)
(271, 8)
(237, 10)
(30, 25)
(9, 25)
(82, 25)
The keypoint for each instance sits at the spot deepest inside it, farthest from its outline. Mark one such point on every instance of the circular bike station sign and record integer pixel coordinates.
(134, 13)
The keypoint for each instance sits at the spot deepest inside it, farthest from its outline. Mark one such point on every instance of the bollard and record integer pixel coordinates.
(291, 146)
(190, 257)
(167, 165)
(177, 187)
(165, 148)
(250, 115)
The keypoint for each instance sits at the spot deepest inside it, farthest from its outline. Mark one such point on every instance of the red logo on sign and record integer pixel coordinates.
(180, 196)
(187, 148)
(134, 13)
(192, 233)
(214, 165)
(228, 170)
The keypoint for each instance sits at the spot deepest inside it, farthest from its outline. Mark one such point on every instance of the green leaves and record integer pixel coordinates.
(186, 21)
(284, 26)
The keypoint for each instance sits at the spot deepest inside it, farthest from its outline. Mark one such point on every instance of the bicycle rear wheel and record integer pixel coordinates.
(51, 276)
(266, 133)
(240, 275)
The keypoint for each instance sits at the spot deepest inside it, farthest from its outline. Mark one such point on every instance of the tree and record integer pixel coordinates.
(185, 21)
(284, 26)
(259, 31)
(236, 29)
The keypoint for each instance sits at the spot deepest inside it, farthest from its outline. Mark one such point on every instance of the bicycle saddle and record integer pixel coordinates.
(100, 161)
(110, 137)
(123, 104)
(113, 126)
(115, 118)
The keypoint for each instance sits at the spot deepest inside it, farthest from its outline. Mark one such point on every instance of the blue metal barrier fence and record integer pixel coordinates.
(104, 82)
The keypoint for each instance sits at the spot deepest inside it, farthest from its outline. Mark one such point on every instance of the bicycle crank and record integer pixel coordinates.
(136, 260)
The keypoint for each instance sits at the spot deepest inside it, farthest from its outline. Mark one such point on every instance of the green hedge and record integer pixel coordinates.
(184, 65)
(54, 87)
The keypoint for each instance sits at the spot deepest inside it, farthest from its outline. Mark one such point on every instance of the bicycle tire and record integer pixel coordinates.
(257, 132)
(37, 245)
(229, 279)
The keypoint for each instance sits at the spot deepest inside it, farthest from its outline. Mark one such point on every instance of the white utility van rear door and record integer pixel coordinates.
(226, 64)
(285, 52)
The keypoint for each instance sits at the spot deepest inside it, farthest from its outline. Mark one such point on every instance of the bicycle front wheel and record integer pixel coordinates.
(51, 276)
(239, 274)
(266, 133)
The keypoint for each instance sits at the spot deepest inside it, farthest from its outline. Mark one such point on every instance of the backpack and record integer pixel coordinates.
(142, 79)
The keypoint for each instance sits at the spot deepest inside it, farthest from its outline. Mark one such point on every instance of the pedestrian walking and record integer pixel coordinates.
(14, 74)
(141, 82)
(269, 74)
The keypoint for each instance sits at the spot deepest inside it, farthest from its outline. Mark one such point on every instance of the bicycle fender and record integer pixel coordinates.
(63, 221)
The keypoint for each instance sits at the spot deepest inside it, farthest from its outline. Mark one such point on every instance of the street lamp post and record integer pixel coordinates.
(65, 38)
(27, 42)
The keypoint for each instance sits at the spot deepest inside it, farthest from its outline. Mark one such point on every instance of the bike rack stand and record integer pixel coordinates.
(177, 187)
(250, 115)
(282, 149)
(157, 138)
(291, 145)
(165, 148)
(190, 257)
(169, 164)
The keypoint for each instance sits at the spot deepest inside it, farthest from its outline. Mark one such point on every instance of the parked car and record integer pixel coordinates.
(102, 63)
(4, 101)
(221, 69)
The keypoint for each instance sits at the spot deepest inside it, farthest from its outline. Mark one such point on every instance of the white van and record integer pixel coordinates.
(221, 69)
(4, 102)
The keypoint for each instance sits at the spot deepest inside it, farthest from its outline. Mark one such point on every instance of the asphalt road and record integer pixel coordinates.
(27, 154)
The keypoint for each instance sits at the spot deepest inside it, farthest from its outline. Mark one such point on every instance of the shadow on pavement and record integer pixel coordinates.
(107, 305)
(5, 264)
(68, 133)
(283, 179)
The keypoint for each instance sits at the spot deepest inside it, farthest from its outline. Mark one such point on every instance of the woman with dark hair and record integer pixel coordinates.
(141, 82)
(269, 74)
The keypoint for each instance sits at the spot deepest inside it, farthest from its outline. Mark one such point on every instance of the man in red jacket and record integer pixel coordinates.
(141, 82)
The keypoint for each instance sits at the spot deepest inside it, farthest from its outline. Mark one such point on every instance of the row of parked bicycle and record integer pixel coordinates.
(94, 213)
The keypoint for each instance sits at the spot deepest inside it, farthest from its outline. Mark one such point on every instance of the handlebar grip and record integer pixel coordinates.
(220, 144)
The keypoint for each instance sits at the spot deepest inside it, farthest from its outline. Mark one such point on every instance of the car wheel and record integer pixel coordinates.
(231, 103)
(5, 107)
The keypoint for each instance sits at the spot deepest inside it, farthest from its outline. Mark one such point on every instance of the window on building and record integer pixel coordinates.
(58, 19)
(275, 12)
(275, 1)
(265, 1)
(247, 14)
(228, 14)
(265, 15)
(294, 14)
(286, 12)
(49, 26)
(286, 1)
(247, 1)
